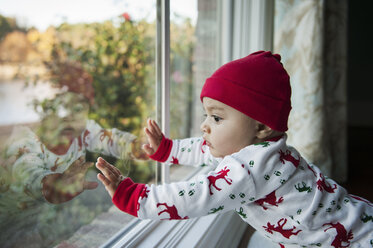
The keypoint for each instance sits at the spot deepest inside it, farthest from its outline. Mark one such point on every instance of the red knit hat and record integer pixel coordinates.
(256, 85)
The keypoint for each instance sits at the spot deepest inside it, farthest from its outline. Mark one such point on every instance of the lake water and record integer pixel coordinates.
(16, 101)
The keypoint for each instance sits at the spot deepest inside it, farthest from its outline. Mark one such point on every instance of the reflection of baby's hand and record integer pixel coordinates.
(110, 176)
(154, 136)
(136, 150)
(62, 187)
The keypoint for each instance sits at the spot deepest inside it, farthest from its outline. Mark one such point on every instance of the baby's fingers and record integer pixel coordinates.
(156, 128)
(153, 140)
(110, 188)
(110, 172)
(106, 182)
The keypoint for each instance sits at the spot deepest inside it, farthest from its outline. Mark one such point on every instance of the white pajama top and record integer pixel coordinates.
(269, 185)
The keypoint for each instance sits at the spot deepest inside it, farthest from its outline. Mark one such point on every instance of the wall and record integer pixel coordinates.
(360, 64)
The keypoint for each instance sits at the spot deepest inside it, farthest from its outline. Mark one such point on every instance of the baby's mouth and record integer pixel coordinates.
(208, 144)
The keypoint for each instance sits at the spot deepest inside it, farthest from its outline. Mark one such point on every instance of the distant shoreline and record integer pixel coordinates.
(9, 71)
(16, 98)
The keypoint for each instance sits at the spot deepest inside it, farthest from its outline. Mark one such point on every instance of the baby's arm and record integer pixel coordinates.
(111, 177)
(216, 192)
(191, 151)
(111, 142)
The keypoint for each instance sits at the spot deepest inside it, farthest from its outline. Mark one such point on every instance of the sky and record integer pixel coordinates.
(43, 13)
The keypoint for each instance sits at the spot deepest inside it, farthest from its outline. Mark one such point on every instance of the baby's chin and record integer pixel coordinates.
(217, 154)
(222, 154)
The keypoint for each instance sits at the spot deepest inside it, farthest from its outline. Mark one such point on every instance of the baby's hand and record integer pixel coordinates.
(154, 136)
(110, 176)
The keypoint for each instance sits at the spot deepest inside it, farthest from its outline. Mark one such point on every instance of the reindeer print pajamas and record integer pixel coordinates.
(35, 161)
(268, 184)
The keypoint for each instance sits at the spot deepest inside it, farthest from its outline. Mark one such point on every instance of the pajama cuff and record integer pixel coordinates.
(126, 196)
(163, 151)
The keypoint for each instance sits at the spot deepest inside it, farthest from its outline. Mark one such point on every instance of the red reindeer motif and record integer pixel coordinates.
(362, 199)
(106, 133)
(22, 151)
(280, 229)
(143, 194)
(172, 211)
(323, 185)
(85, 135)
(174, 160)
(270, 199)
(288, 157)
(56, 164)
(342, 239)
(222, 174)
(80, 142)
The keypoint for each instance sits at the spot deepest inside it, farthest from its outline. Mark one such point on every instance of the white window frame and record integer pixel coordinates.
(163, 79)
(246, 26)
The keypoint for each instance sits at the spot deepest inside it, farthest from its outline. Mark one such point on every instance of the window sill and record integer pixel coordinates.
(208, 231)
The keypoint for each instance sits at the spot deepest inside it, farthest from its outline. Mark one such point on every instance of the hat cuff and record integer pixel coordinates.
(267, 110)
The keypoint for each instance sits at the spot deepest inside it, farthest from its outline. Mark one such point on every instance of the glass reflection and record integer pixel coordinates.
(68, 94)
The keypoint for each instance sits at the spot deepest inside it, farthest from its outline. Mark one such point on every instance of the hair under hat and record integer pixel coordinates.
(256, 85)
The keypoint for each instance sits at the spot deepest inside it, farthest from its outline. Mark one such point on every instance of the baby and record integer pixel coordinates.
(267, 182)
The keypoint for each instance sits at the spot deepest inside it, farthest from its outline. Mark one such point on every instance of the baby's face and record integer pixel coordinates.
(225, 129)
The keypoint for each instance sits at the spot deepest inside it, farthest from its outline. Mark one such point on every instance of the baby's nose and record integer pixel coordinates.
(204, 127)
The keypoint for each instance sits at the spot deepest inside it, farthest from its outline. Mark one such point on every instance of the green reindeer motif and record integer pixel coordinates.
(191, 192)
(214, 210)
(366, 218)
(263, 144)
(304, 188)
(243, 215)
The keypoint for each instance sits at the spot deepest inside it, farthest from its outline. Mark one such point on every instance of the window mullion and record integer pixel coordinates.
(163, 78)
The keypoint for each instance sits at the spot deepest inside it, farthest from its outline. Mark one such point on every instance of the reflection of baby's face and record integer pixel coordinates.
(68, 131)
(68, 134)
(59, 129)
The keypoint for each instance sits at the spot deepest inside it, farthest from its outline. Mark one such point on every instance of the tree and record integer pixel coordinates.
(111, 70)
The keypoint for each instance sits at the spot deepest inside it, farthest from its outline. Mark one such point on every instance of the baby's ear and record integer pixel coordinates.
(263, 131)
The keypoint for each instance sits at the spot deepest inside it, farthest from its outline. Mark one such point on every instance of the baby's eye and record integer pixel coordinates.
(216, 118)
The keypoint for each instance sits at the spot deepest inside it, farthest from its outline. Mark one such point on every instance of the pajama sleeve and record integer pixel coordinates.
(191, 152)
(34, 161)
(231, 186)
(111, 142)
(226, 188)
(31, 162)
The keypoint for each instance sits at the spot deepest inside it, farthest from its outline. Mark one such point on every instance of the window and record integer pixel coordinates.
(193, 57)
(76, 82)
(221, 34)
(80, 84)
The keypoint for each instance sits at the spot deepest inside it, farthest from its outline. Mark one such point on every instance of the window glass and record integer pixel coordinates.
(76, 82)
(193, 57)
